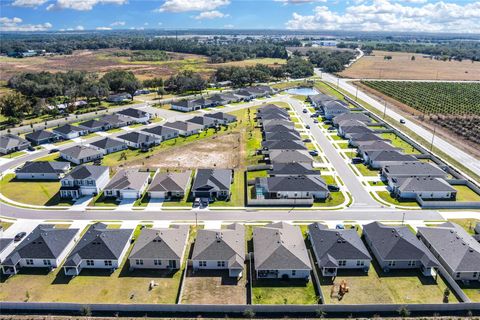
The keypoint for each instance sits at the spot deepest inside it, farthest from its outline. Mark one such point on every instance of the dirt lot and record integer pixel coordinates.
(402, 67)
(213, 287)
(221, 152)
(102, 61)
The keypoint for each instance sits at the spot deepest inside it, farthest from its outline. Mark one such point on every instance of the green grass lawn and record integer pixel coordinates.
(114, 130)
(101, 201)
(351, 154)
(337, 138)
(344, 145)
(237, 189)
(365, 171)
(14, 154)
(51, 157)
(61, 142)
(385, 196)
(39, 192)
(467, 224)
(257, 174)
(472, 290)
(377, 183)
(5, 225)
(400, 143)
(279, 291)
(335, 199)
(464, 193)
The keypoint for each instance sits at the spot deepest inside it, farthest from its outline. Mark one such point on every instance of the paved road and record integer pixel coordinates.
(456, 153)
(361, 198)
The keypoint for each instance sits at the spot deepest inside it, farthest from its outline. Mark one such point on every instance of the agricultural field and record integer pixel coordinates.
(402, 67)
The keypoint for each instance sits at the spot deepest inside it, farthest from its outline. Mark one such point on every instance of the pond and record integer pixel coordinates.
(304, 91)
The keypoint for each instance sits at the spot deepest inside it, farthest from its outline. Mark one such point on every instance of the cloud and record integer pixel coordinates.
(117, 23)
(387, 15)
(14, 24)
(228, 26)
(103, 28)
(214, 14)
(191, 5)
(77, 28)
(81, 5)
(298, 1)
(28, 3)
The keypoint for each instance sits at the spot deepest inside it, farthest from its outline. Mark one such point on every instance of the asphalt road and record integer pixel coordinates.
(454, 152)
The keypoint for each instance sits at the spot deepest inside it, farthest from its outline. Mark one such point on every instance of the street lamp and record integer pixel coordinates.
(385, 109)
(433, 138)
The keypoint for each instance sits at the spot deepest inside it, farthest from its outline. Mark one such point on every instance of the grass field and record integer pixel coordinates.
(402, 67)
(279, 291)
(400, 143)
(464, 193)
(14, 154)
(365, 171)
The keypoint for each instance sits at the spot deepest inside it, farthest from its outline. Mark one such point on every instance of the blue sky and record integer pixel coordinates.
(373, 15)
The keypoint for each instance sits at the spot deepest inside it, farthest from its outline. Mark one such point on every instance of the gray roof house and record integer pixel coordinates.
(358, 138)
(348, 130)
(334, 108)
(220, 249)
(213, 184)
(139, 140)
(289, 156)
(41, 136)
(477, 228)
(292, 169)
(138, 116)
(336, 249)
(187, 105)
(358, 116)
(94, 125)
(277, 125)
(127, 184)
(457, 251)
(164, 133)
(291, 187)
(221, 118)
(84, 180)
(283, 135)
(160, 248)
(422, 187)
(268, 116)
(116, 120)
(99, 248)
(45, 247)
(109, 145)
(412, 169)
(380, 158)
(280, 252)
(42, 170)
(79, 154)
(11, 143)
(272, 108)
(375, 145)
(398, 248)
(184, 128)
(204, 121)
(69, 132)
(319, 99)
(170, 185)
(270, 145)
(6, 246)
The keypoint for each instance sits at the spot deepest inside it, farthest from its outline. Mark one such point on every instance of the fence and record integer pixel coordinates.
(280, 202)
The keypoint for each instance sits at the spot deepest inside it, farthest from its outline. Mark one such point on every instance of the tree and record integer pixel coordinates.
(131, 86)
(118, 79)
(14, 105)
(403, 312)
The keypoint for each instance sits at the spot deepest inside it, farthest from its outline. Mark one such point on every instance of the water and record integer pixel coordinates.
(302, 91)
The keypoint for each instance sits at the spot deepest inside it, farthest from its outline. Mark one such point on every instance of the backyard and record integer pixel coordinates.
(280, 291)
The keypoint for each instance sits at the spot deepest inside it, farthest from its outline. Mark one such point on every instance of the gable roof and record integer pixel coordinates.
(8, 141)
(280, 246)
(93, 123)
(332, 245)
(359, 116)
(372, 145)
(212, 179)
(283, 135)
(128, 179)
(287, 156)
(115, 119)
(293, 168)
(44, 242)
(365, 137)
(283, 144)
(40, 135)
(320, 98)
(80, 152)
(87, 172)
(137, 137)
(183, 125)
(44, 167)
(398, 243)
(68, 128)
(133, 113)
(458, 249)
(203, 121)
(413, 169)
(160, 130)
(99, 243)
(423, 184)
(161, 243)
(222, 116)
(389, 155)
(107, 143)
(170, 181)
(293, 183)
(221, 245)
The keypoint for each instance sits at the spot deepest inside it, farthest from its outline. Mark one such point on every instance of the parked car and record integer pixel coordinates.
(307, 140)
(402, 121)
(313, 115)
(313, 152)
(357, 160)
(305, 110)
(196, 203)
(331, 128)
(307, 126)
(53, 150)
(19, 236)
(315, 120)
(333, 188)
(204, 202)
(340, 226)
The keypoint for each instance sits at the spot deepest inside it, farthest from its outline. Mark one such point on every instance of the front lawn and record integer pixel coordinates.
(14, 154)
(366, 171)
(279, 291)
(237, 189)
(335, 199)
(385, 196)
(400, 143)
(467, 224)
(464, 193)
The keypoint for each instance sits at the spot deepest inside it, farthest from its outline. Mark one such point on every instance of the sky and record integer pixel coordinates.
(459, 16)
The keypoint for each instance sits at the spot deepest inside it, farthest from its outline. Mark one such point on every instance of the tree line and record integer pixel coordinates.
(330, 61)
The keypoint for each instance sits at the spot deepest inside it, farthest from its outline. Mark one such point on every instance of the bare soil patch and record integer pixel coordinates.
(402, 67)
(216, 152)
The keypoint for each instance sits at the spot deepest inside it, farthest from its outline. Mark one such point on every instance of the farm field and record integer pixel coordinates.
(401, 67)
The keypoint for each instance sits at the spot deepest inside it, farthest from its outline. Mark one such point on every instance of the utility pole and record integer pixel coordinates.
(385, 109)
(433, 138)
(356, 94)
(403, 219)
(338, 81)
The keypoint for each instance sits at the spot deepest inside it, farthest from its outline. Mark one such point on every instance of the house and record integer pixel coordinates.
(119, 97)
(160, 248)
(109, 145)
(245, 95)
(219, 100)
(336, 249)
(397, 248)
(221, 249)
(162, 132)
(277, 125)
(268, 116)
(170, 185)
(94, 125)
(358, 138)
(283, 135)
(412, 169)
(229, 97)
(477, 228)
(358, 116)
(422, 187)
(289, 156)
(11, 143)
(455, 249)
(334, 108)
(280, 252)
(204, 122)
(184, 128)
(127, 184)
(140, 140)
(319, 99)
(272, 108)
(84, 180)
(137, 116)
(79, 154)
(292, 169)
(69, 132)
(42, 170)
(349, 129)
(6, 247)
(116, 120)
(375, 145)
(45, 247)
(291, 187)
(381, 158)
(260, 90)
(213, 184)
(186, 105)
(268, 146)
(99, 248)
(221, 118)
(41, 136)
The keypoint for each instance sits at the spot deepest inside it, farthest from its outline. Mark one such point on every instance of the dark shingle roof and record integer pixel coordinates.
(80, 152)
(423, 184)
(413, 169)
(87, 172)
(389, 155)
(287, 156)
(362, 117)
(183, 125)
(161, 243)
(128, 179)
(212, 179)
(294, 183)
(40, 135)
(132, 112)
(44, 167)
(93, 123)
(107, 143)
(66, 129)
(137, 137)
(172, 181)
(293, 169)
(203, 121)
(284, 144)
(221, 116)
(160, 130)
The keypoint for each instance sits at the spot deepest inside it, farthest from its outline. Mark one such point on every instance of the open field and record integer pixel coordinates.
(400, 143)
(279, 291)
(402, 67)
